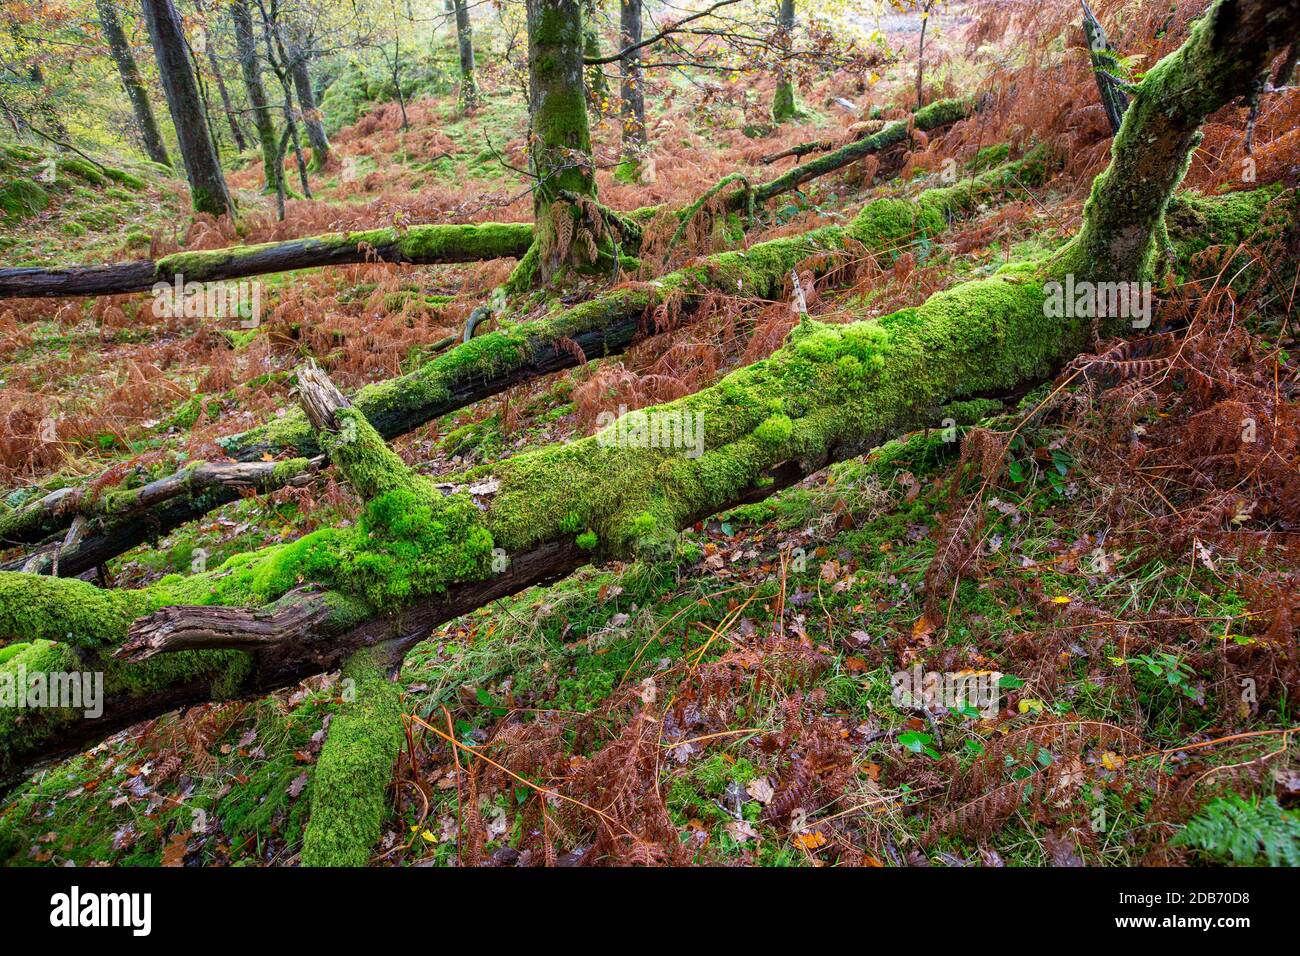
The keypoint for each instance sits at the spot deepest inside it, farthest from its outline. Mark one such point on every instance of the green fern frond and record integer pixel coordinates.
(1240, 831)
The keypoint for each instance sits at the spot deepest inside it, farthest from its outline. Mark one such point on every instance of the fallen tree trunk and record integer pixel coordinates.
(832, 391)
(419, 245)
(935, 116)
(482, 367)
(415, 245)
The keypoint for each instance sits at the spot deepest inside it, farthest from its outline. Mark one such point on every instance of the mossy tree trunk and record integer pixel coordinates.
(784, 104)
(465, 47)
(251, 69)
(208, 191)
(298, 47)
(568, 230)
(631, 93)
(606, 325)
(1229, 47)
(120, 49)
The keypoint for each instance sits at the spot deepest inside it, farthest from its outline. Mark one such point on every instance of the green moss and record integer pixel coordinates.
(126, 179)
(829, 386)
(990, 156)
(785, 105)
(349, 789)
(284, 471)
(588, 540)
(21, 199)
(87, 171)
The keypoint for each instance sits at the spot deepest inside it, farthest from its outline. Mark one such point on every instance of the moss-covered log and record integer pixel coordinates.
(421, 245)
(832, 391)
(482, 367)
(932, 117)
(350, 785)
(418, 559)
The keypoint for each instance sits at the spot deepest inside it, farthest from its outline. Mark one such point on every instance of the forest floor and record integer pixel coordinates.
(1104, 552)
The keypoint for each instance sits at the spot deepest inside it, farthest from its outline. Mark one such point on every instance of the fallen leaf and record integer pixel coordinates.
(741, 831)
(810, 841)
(760, 789)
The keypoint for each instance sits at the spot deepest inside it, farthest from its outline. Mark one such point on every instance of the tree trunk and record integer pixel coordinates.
(631, 93)
(236, 131)
(784, 106)
(299, 51)
(1227, 50)
(1113, 100)
(250, 67)
(208, 192)
(120, 48)
(920, 57)
(597, 84)
(278, 59)
(465, 44)
(423, 245)
(560, 154)
(227, 107)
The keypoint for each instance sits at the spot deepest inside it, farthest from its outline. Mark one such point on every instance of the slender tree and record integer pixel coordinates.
(120, 49)
(631, 94)
(465, 43)
(277, 57)
(208, 191)
(597, 85)
(784, 106)
(250, 67)
(298, 48)
(227, 106)
(926, 6)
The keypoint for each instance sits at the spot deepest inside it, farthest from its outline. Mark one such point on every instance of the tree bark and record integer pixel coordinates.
(465, 45)
(299, 52)
(560, 153)
(631, 93)
(250, 67)
(120, 49)
(784, 106)
(208, 192)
